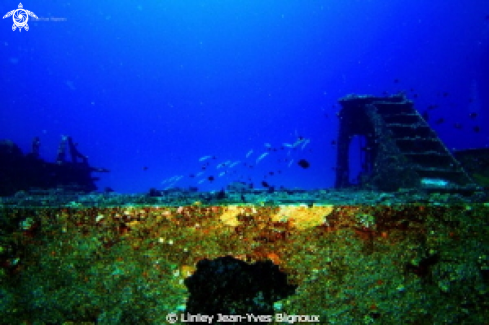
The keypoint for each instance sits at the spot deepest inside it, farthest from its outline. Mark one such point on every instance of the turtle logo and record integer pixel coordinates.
(20, 17)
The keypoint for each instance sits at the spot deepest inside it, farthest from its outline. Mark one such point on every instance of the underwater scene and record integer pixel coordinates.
(244, 161)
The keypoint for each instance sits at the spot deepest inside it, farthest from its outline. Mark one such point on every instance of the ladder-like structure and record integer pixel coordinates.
(401, 150)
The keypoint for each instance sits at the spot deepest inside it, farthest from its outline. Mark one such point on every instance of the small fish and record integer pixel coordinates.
(199, 173)
(223, 164)
(267, 145)
(290, 162)
(300, 141)
(201, 181)
(249, 153)
(205, 158)
(221, 174)
(234, 164)
(473, 115)
(296, 144)
(303, 163)
(263, 155)
(304, 144)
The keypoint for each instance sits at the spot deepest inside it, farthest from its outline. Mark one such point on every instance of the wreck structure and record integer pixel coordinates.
(400, 149)
(19, 172)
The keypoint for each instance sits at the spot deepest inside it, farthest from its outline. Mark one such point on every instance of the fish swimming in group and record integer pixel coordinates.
(228, 168)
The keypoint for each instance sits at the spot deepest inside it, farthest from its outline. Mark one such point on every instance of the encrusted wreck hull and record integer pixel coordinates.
(402, 263)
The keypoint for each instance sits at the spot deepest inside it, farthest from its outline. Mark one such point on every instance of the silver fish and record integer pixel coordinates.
(249, 153)
(224, 164)
(263, 155)
(204, 158)
(304, 144)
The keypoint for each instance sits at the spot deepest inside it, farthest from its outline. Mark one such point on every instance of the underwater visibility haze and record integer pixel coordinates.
(315, 160)
(148, 89)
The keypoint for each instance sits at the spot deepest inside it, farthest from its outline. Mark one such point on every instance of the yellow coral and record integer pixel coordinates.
(187, 270)
(303, 217)
(230, 216)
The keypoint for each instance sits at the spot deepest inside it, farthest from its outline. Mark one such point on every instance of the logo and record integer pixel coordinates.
(20, 17)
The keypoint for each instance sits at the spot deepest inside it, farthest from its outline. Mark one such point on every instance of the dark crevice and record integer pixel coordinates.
(229, 286)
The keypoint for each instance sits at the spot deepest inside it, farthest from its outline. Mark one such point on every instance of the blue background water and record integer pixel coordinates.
(148, 87)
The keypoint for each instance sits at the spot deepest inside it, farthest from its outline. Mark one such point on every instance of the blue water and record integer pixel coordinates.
(148, 87)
